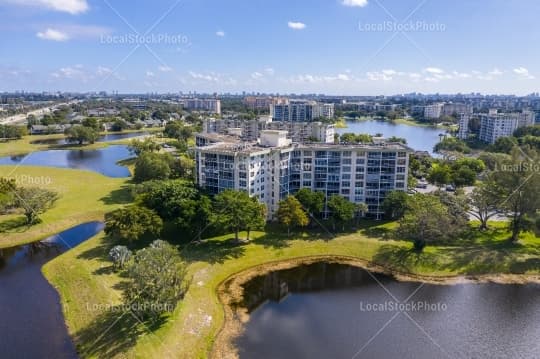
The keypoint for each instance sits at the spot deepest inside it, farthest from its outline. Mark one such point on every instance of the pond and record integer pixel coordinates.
(32, 324)
(103, 160)
(103, 138)
(419, 138)
(337, 311)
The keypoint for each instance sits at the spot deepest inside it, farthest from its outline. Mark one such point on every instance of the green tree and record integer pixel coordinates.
(132, 223)
(179, 202)
(484, 201)
(312, 201)
(518, 178)
(34, 201)
(91, 122)
(151, 166)
(7, 193)
(81, 134)
(120, 255)
(290, 213)
(440, 174)
(425, 220)
(147, 145)
(341, 210)
(395, 204)
(234, 211)
(158, 280)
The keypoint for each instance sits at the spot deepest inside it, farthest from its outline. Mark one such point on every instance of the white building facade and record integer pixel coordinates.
(275, 168)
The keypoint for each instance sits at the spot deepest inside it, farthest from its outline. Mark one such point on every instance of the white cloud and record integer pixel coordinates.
(358, 3)
(496, 72)
(256, 75)
(296, 25)
(523, 72)
(150, 74)
(220, 33)
(165, 68)
(269, 71)
(206, 77)
(53, 35)
(462, 75)
(319, 79)
(434, 70)
(103, 71)
(69, 6)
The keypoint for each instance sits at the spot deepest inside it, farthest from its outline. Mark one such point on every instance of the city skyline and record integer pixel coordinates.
(339, 47)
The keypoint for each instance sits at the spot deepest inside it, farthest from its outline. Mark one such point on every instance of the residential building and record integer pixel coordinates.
(495, 125)
(250, 129)
(433, 111)
(202, 104)
(301, 111)
(274, 167)
(450, 109)
(463, 132)
(262, 103)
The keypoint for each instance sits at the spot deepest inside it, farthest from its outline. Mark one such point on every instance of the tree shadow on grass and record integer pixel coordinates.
(112, 332)
(14, 225)
(213, 251)
(402, 259)
(118, 196)
(523, 266)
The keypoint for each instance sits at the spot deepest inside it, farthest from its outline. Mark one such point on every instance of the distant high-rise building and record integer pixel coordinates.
(495, 125)
(433, 111)
(262, 103)
(202, 104)
(301, 111)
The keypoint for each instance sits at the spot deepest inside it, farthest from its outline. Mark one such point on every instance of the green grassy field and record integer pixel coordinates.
(86, 281)
(84, 196)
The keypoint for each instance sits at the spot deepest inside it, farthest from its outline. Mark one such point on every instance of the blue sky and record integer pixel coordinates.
(356, 47)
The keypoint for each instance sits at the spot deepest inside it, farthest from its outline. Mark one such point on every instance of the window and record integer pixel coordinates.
(346, 161)
(402, 154)
(401, 170)
(346, 153)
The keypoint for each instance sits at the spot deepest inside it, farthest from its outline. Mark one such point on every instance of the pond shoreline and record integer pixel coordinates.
(230, 292)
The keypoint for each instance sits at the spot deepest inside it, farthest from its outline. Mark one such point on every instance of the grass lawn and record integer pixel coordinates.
(84, 196)
(85, 280)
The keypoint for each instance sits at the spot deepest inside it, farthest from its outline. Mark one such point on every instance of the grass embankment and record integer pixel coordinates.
(84, 196)
(28, 144)
(85, 280)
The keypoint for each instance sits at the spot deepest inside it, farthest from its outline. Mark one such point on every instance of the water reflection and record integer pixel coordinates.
(103, 161)
(32, 324)
(419, 138)
(321, 311)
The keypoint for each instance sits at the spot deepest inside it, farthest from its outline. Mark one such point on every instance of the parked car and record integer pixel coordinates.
(450, 188)
(421, 185)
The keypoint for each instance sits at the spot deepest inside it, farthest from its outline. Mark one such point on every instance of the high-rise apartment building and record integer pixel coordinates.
(202, 104)
(273, 168)
(301, 111)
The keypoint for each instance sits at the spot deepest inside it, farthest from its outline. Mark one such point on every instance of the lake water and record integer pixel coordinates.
(103, 138)
(418, 138)
(103, 160)
(328, 311)
(31, 320)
